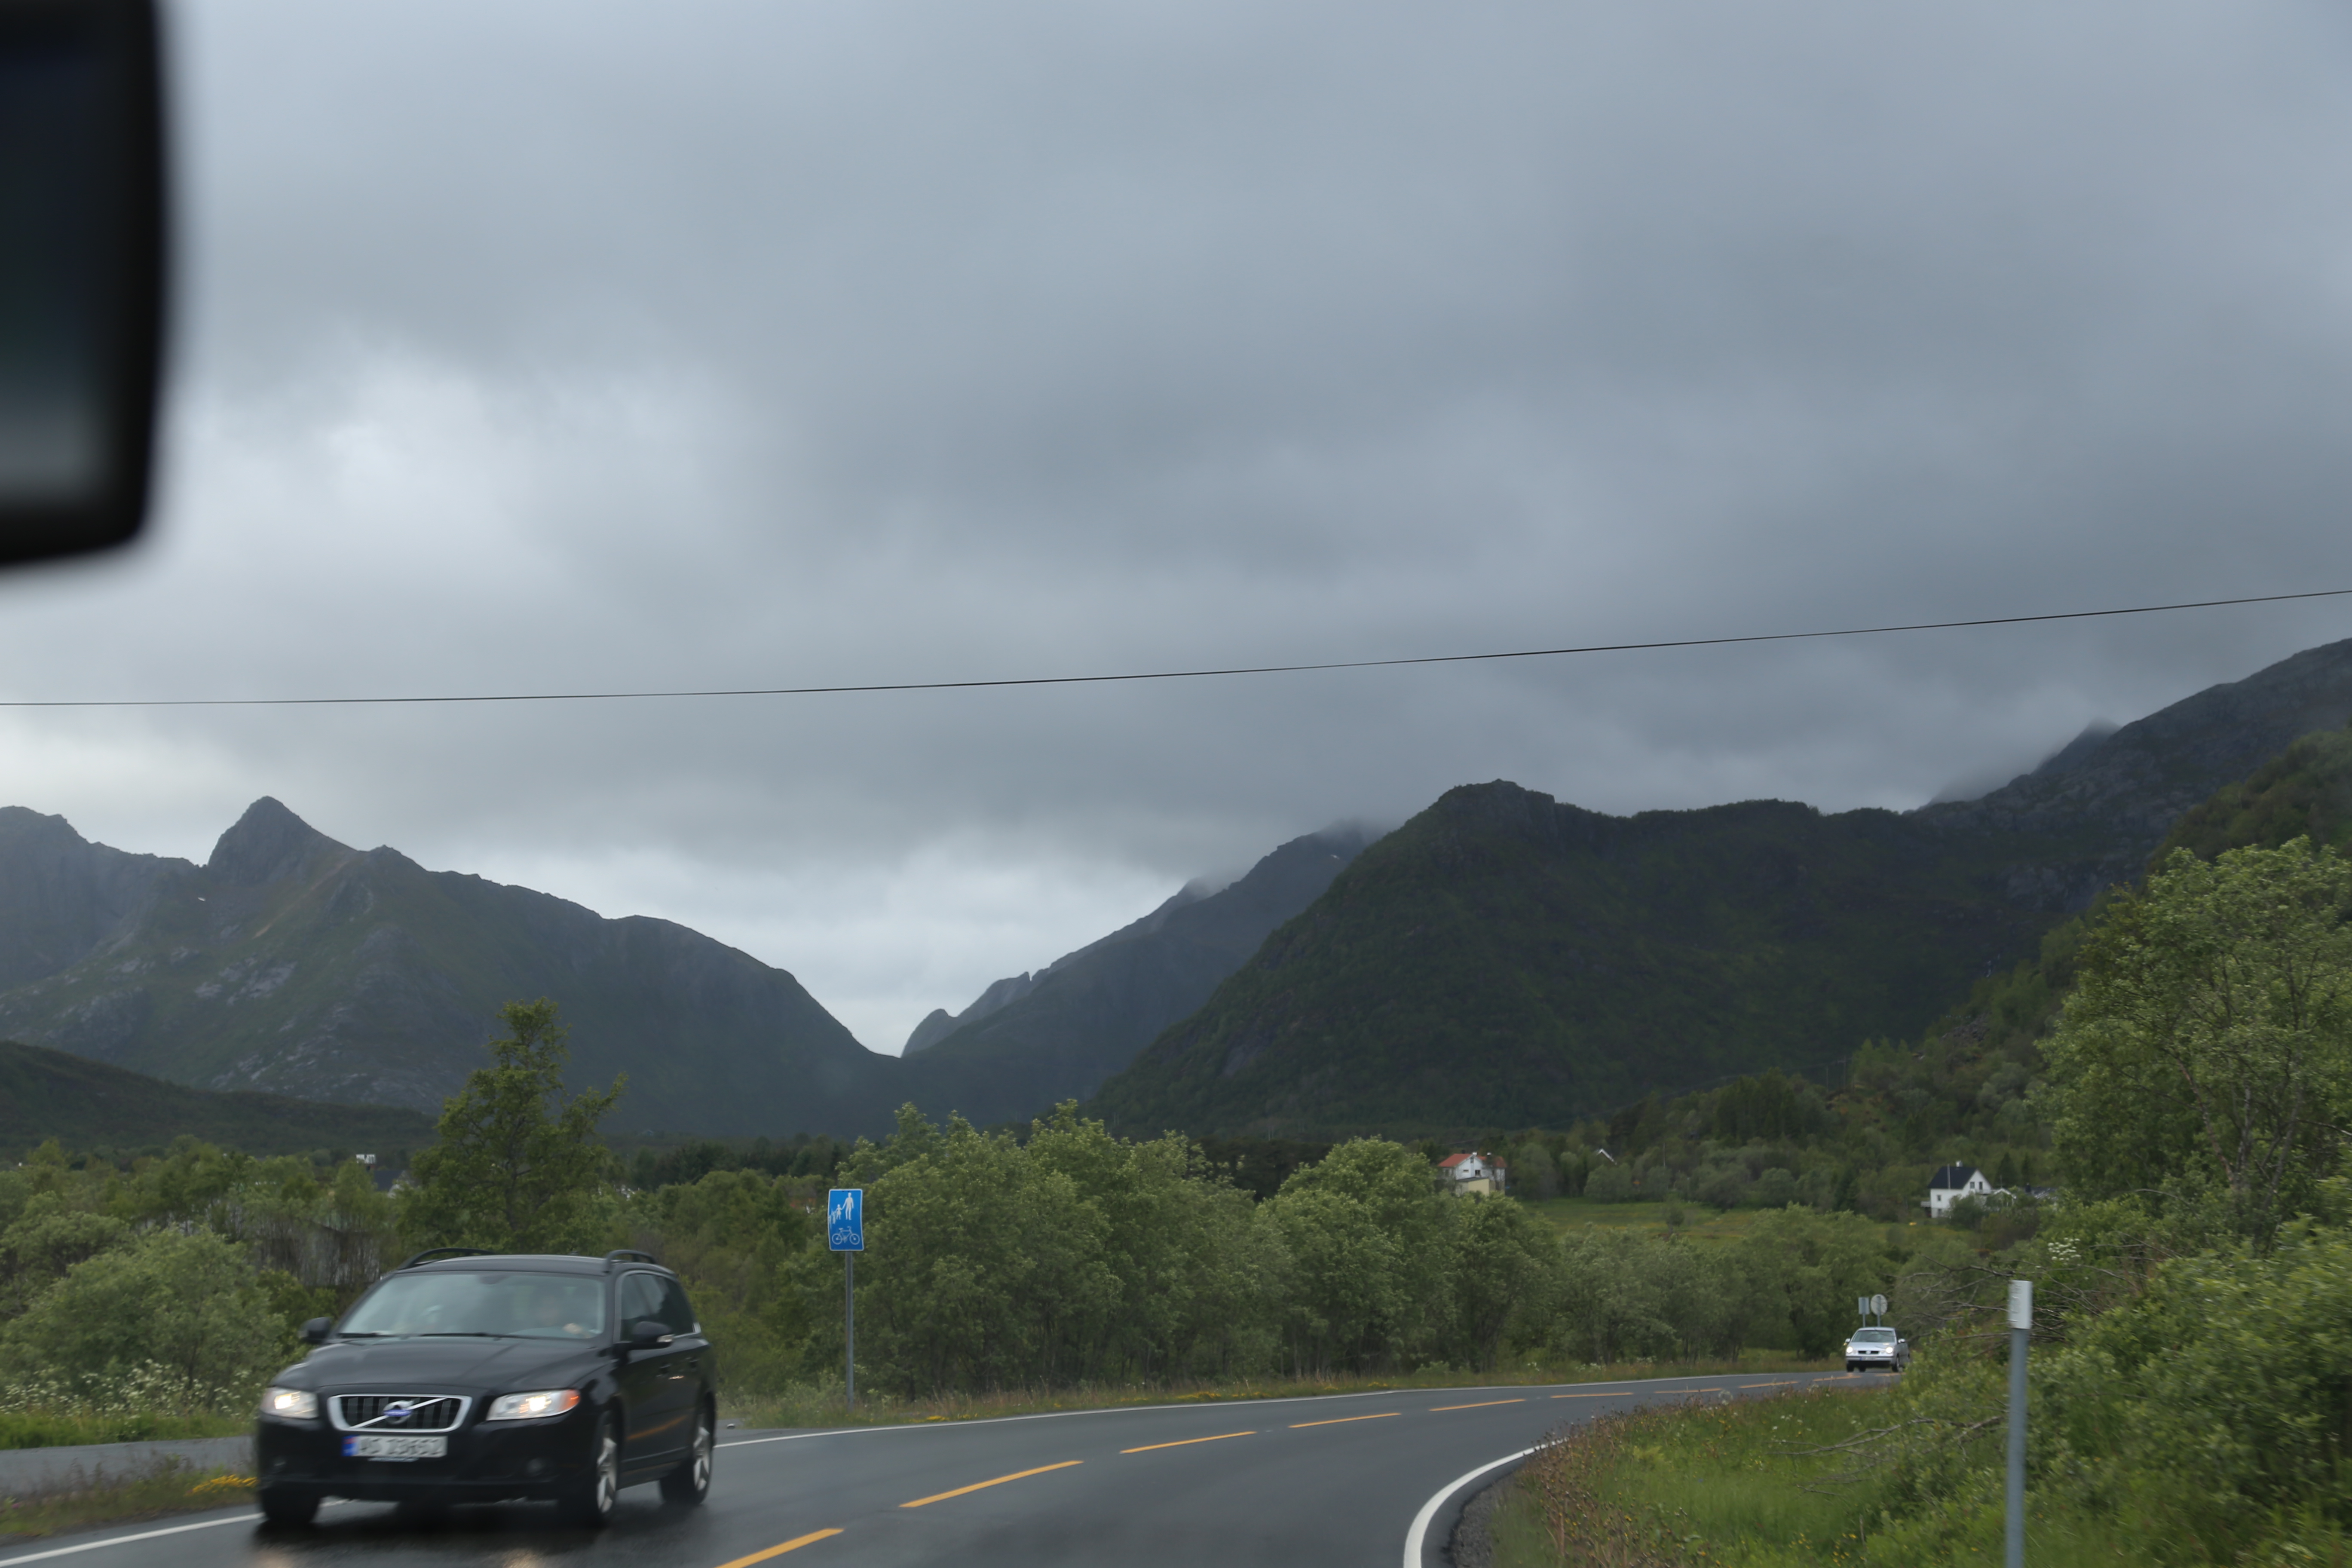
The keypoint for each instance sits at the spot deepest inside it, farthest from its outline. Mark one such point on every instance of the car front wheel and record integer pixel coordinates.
(690, 1482)
(288, 1505)
(590, 1502)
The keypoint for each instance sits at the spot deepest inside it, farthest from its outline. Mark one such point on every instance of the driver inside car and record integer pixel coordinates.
(551, 1313)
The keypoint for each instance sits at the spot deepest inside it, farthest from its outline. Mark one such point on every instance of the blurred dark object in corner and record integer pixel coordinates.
(82, 238)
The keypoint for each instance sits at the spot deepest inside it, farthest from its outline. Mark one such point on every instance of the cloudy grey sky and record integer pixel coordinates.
(549, 344)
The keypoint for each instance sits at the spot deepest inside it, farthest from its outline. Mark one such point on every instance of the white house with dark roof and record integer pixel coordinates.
(1471, 1173)
(1950, 1183)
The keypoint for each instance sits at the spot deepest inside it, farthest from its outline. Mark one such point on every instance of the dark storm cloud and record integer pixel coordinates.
(563, 345)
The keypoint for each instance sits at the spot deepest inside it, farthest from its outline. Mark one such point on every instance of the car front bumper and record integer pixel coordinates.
(486, 1461)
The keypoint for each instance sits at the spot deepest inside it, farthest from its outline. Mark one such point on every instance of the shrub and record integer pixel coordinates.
(1608, 1183)
(189, 1307)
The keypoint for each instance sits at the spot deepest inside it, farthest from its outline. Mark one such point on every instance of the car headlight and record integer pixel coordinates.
(294, 1403)
(524, 1406)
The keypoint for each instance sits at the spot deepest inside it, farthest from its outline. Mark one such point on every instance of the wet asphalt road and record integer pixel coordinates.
(1296, 1483)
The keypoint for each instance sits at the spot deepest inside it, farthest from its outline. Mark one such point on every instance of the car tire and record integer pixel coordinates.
(288, 1505)
(690, 1482)
(589, 1504)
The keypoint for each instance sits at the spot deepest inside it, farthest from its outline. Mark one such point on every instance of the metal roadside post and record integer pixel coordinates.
(844, 1232)
(2020, 1329)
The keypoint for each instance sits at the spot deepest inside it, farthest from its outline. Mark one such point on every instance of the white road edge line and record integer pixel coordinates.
(1637, 1383)
(1415, 1537)
(126, 1540)
(147, 1535)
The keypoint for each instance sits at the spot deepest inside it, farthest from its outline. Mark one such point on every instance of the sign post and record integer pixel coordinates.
(2020, 1329)
(844, 1232)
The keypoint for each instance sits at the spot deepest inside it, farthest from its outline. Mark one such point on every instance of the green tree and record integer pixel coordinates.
(517, 1167)
(1177, 1244)
(49, 1237)
(1370, 1243)
(1610, 1183)
(739, 1240)
(2207, 1047)
(186, 1309)
(985, 1268)
(1503, 1268)
(1618, 1292)
(1534, 1173)
(1807, 1270)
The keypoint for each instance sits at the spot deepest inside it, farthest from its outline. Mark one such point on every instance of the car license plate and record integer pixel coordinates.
(390, 1446)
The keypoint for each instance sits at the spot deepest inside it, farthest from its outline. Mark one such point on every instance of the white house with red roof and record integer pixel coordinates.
(1471, 1173)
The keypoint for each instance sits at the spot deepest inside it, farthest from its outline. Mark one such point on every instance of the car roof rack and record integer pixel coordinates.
(446, 1252)
(626, 1254)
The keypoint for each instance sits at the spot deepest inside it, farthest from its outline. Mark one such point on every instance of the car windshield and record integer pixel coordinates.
(506, 1305)
(1874, 1336)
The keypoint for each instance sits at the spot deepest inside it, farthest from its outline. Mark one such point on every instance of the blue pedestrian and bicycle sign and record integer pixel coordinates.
(844, 1219)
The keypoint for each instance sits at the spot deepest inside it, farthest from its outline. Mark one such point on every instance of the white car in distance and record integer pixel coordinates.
(1883, 1349)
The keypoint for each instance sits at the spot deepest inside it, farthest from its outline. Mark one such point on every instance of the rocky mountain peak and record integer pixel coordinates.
(268, 844)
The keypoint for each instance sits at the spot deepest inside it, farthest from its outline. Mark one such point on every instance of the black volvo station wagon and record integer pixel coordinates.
(465, 1377)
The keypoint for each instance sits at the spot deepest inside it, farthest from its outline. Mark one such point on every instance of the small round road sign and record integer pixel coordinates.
(1878, 1305)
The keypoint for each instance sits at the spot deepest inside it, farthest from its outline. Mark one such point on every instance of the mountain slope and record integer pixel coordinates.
(2096, 811)
(1503, 960)
(86, 1105)
(1034, 1039)
(295, 965)
(60, 895)
(2306, 792)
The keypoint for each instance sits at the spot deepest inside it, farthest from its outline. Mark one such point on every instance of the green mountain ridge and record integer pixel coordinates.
(297, 965)
(1503, 960)
(1064, 1031)
(88, 1105)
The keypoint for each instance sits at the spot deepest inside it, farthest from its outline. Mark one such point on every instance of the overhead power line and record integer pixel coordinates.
(1148, 674)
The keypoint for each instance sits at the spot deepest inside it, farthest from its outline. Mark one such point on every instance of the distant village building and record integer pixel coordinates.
(1950, 1183)
(1468, 1174)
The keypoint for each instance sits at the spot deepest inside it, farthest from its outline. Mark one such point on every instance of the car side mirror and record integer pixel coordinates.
(315, 1332)
(648, 1334)
(82, 291)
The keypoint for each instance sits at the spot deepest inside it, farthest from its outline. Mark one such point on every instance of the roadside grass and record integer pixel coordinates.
(49, 1429)
(820, 1405)
(166, 1490)
(1732, 1485)
(1696, 1220)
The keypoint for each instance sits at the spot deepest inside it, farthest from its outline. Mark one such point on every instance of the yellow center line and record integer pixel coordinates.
(1336, 1420)
(979, 1486)
(1180, 1442)
(1784, 1383)
(1619, 1394)
(1480, 1405)
(795, 1544)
